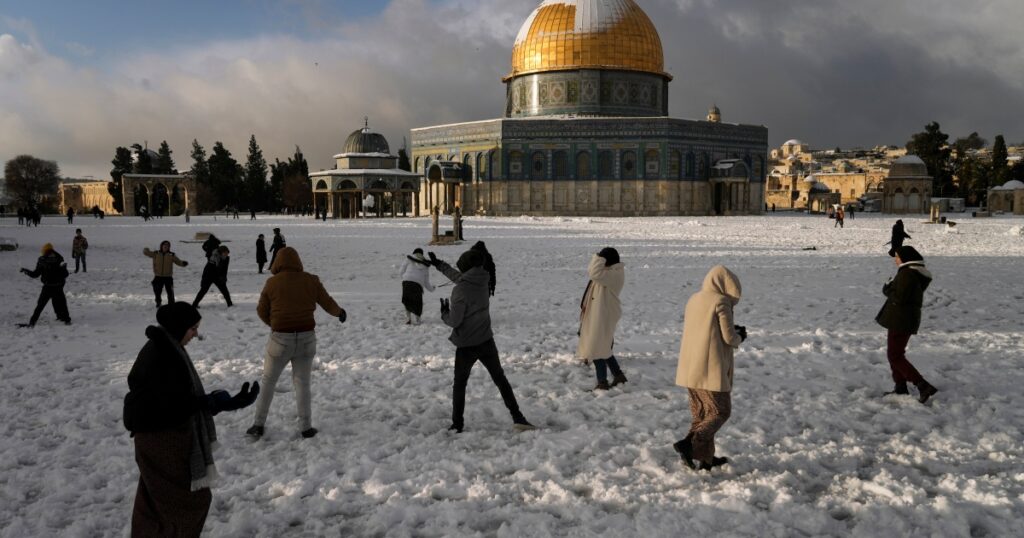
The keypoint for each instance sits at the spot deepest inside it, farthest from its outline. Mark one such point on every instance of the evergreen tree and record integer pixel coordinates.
(200, 172)
(122, 165)
(143, 164)
(164, 162)
(1016, 171)
(403, 161)
(225, 177)
(27, 179)
(999, 163)
(256, 176)
(297, 190)
(932, 146)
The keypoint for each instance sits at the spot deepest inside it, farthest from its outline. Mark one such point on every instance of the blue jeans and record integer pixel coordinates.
(602, 366)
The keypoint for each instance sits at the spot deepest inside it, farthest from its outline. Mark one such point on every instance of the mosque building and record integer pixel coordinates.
(586, 131)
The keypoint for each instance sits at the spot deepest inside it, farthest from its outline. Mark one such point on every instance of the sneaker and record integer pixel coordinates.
(619, 380)
(307, 434)
(685, 450)
(602, 385)
(522, 425)
(255, 432)
(715, 462)
(925, 390)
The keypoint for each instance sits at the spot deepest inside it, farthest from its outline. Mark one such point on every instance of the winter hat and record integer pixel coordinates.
(479, 246)
(908, 253)
(418, 251)
(277, 230)
(47, 248)
(177, 318)
(469, 259)
(610, 255)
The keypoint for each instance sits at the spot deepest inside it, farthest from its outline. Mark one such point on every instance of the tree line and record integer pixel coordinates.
(957, 170)
(222, 182)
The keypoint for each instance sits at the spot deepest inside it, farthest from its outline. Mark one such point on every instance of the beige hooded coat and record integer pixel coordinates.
(600, 310)
(709, 335)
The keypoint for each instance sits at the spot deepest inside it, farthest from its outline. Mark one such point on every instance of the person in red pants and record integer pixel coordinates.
(901, 315)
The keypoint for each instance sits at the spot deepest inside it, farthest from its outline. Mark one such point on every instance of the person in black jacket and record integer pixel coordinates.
(215, 274)
(210, 245)
(898, 236)
(480, 247)
(261, 253)
(170, 416)
(53, 272)
(276, 245)
(901, 315)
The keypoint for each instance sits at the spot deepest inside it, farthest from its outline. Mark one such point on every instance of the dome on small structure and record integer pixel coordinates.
(908, 166)
(1013, 185)
(366, 141)
(793, 142)
(820, 187)
(810, 179)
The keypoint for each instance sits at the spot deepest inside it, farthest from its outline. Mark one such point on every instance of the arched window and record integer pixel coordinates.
(628, 165)
(583, 165)
(560, 163)
(652, 164)
(691, 165)
(515, 165)
(321, 185)
(538, 166)
(481, 165)
(491, 164)
(675, 164)
(605, 165)
(416, 167)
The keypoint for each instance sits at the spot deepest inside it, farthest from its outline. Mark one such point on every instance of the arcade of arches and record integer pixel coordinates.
(161, 195)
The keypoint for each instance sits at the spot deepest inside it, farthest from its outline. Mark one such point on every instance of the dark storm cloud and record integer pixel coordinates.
(829, 72)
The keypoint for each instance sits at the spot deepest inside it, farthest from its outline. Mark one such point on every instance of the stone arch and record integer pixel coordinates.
(605, 165)
(142, 193)
(583, 165)
(491, 164)
(160, 197)
(481, 167)
(416, 165)
(560, 164)
(899, 200)
(628, 169)
(321, 186)
(914, 200)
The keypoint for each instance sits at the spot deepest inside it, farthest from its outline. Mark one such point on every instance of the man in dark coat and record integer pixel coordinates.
(210, 245)
(898, 236)
(53, 272)
(261, 252)
(215, 274)
(468, 314)
(901, 315)
(480, 247)
(277, 244)
(170, 416)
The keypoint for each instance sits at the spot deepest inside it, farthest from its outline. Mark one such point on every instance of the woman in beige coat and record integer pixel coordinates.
(705, 364)
(600, 311)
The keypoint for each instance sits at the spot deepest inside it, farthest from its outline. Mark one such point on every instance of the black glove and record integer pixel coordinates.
(742, 331)
(492, 292)
(343, 315)
(220, 400)
(433, 259)
(446, 307)
(23, 270)
(184, 264)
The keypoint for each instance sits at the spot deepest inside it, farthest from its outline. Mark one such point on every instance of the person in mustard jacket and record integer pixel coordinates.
(600, 311)
(163, 270)
(706, 364)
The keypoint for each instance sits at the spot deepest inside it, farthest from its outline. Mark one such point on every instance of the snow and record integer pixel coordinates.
(815, 450)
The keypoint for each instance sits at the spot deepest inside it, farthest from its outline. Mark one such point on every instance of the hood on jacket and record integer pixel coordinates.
(469, 260)
(722, 281)
(476, 276)
(919, 268)
(479, 246)
(287, 260)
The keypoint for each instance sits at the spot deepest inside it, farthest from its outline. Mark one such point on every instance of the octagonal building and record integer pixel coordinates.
(586, 131)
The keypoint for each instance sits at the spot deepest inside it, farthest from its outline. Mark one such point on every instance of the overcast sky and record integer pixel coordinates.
(78, 79)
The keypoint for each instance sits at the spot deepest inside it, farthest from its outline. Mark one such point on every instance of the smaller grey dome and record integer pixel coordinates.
(1013, 185)
(820, 187)
(366, 141)
(908, 166)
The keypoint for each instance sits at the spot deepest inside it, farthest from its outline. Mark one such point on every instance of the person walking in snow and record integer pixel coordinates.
(706, 364)
(170, 417)
(261, 253)
(898, 236)
(492, 282)
(163, 270)
(468, 314)
(600, 311)
(840, 217)
(277, 244)
(901, 315)
(415, 278)
(78, 247)
(210, 245)
(71, 215)
(215, 274)
(287, 305)
(53, 272)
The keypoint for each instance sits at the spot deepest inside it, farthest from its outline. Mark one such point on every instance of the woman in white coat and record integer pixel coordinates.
(600, 311)
(415, 278)
(706, 364)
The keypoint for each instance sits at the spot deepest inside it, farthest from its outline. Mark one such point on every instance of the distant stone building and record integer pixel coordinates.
(908, 188)
(586, 131)
(366, 179)
(84, 194)
(160, 194)
(1008, 198)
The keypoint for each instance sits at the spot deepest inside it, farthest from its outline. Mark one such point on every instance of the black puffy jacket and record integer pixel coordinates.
(904, 297)
(51, 269)
(160, 394)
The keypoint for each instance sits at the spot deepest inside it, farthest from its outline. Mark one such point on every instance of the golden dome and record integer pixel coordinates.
(587, 34)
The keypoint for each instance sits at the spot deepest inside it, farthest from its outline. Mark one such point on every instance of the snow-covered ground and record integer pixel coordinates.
(815, 449)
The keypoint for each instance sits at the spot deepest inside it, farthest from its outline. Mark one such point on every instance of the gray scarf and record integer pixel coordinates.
(204, 433)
